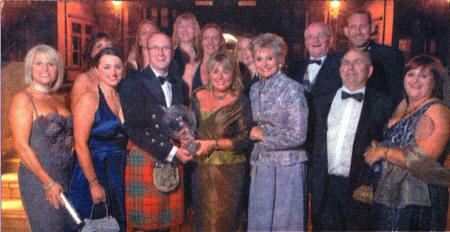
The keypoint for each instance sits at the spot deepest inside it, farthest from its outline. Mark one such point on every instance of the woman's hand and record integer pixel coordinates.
(256, 133)
(53, 195)
(206, 147)
(374, 153)
(97, 192)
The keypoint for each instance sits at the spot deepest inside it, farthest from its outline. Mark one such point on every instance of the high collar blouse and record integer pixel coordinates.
(280, 109)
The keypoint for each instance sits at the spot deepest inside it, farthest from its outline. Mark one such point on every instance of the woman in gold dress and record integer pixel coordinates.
(224, 119)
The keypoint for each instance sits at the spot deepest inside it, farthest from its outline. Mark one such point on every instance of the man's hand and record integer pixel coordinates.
(183, 155)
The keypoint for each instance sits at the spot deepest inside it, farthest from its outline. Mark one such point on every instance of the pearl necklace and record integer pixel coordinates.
(41, 89)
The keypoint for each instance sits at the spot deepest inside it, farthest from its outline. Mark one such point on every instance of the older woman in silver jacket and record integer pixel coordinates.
(280, 111)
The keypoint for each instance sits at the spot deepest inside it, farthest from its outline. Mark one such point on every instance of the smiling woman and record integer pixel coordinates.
(280, 113)
(224, 117)
(100, 143)
(412, 191)
(42, 131)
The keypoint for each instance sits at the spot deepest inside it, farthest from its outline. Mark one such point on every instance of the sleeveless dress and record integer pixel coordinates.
(107, 144)
(412, 217)
(51, 139)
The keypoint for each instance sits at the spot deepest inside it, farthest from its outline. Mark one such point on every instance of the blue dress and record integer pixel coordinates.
(107, 144)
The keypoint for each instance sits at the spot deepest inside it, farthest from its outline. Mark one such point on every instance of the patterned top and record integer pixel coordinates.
(280, 109)
(402, 133)
(398, 187)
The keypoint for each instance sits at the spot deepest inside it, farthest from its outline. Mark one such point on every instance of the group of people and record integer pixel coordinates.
(361, 133)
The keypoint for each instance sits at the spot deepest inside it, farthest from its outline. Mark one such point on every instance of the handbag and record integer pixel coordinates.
(166, 176)
(106, 224)
(364, 193)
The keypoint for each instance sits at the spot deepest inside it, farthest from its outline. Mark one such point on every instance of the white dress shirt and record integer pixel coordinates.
(313, 69)
(167, 90)
(342, 123)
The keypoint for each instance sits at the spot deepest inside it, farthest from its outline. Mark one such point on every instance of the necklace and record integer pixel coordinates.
(407, 112)
(41, 89)
(220, 98)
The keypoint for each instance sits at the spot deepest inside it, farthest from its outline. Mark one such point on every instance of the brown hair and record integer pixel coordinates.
(437, 70)
(136, 50)
(91, 43)
(204, 28)
(359, 11)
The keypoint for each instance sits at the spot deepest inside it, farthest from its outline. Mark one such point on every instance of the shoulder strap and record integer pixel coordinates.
(426, 106)
(32, 102)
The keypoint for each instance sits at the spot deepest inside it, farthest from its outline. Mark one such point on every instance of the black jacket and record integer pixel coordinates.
(376, 111)
(143, 106)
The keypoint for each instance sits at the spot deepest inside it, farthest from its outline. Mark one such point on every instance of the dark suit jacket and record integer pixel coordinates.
(388, 70)
(376, 110)
(143, 106)
(327, 81)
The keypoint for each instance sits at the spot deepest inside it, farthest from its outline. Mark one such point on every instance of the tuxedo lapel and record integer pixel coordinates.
(362, 140)
(177, 90)
(154, 86)
(327, 79)
(320, 74)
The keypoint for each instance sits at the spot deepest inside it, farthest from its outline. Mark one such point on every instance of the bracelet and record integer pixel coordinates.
(93, 180)
(49, 185)
(386, 152)
(217, 144)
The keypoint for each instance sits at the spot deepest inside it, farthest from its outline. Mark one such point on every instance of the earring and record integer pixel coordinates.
(279, 68)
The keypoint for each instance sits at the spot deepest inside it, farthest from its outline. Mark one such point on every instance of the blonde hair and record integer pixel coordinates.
(192, 19)
(228, 61)
(271, 41)
(50, 53)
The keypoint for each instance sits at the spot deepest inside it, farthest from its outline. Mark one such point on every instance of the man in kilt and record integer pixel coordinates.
(144, 95)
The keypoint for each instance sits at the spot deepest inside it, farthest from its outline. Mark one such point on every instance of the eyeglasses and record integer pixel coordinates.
(164, 49)
(318, 36)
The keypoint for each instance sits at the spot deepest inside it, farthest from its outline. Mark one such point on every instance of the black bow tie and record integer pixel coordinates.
(318, 62)
(162, 79)
(357, 96)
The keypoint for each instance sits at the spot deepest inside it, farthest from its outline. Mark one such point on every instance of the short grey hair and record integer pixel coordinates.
(325, 26)
(271, 41)
(50, 53)
(364, 54)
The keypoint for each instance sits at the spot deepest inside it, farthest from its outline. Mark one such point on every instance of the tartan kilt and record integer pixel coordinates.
(146, 207)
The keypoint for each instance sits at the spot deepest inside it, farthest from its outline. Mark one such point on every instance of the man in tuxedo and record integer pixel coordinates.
(347, 121)
(144, 97)
(388, 63)
(319, 73)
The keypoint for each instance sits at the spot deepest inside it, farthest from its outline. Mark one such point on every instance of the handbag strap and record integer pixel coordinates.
(93, 207)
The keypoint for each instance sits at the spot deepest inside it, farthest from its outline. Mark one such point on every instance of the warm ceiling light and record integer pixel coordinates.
(229, 37)
(116, 3)
(336, 4)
